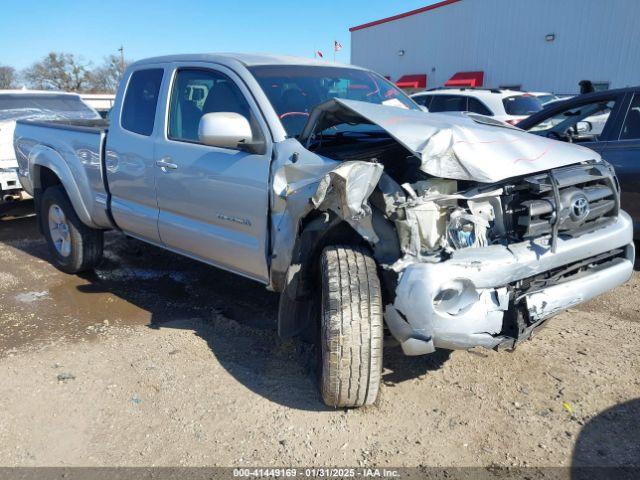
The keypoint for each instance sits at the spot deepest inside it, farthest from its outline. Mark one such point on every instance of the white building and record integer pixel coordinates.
(538, 45)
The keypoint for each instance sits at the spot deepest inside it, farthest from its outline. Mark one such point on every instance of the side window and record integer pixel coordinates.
(631, 127)
(196, 92)
(583, 123)
(423, 100)
(476, 106)
(139, 108)
(448, 103)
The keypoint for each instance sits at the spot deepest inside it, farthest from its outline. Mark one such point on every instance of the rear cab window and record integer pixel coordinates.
(141, 100)
(521, 105)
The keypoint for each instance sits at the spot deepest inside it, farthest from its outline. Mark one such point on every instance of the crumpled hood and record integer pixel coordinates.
(456, 146)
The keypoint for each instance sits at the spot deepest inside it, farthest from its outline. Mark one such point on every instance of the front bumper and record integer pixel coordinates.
(423, 318)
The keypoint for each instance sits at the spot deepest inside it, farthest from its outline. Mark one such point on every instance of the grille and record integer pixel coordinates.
(565, 201)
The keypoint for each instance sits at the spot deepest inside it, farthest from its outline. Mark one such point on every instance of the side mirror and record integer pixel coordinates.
(584, 127)
(423, 108)
(227, 130)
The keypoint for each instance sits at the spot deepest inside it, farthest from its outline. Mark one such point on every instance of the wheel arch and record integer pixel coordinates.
(318, 230)
(48, 168)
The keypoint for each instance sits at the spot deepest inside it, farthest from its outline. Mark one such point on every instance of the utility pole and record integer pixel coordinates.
(121, 50)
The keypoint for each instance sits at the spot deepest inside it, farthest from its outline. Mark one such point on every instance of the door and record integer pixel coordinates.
(624, 154)
(213, 201)
(130, 158)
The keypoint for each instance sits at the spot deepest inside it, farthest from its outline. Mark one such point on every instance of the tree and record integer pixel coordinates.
(7, 77)
(59, 71)
(105, 78)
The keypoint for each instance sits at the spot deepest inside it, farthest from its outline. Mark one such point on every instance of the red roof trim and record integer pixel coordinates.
(418, 80)
(466, 79)
(404, 15)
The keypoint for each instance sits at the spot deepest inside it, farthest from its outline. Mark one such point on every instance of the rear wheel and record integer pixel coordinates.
(74, 246)
(351, 327)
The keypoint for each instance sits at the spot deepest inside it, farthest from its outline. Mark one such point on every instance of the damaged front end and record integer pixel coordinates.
(481, 232)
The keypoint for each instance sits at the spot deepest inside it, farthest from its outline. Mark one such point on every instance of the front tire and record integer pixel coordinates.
(351, 327)
(74, 247)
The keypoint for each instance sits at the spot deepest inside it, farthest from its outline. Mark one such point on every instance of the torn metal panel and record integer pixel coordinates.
(433, 302)
(552, 300)
(390, 198)
(455, 145)
(412, 341)
(345, 190)
(489, 208)
(304, 181)
(296, 173)
(351, 183)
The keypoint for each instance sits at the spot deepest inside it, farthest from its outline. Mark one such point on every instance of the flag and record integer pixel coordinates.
(337, 46)
(319, 54)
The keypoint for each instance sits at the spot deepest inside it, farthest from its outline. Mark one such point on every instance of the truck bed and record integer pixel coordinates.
(81, 125)
(74, 151)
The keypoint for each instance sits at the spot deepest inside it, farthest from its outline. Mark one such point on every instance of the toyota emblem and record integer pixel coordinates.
(580, 208)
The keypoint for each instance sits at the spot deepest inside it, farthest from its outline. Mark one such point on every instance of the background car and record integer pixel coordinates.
(100, 102)
(607, 122)
(31, 104)
(508, 106)
(545, 97)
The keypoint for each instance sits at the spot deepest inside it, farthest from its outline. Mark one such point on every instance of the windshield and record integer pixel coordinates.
(521, 105)
(44, 106)
(294, 91)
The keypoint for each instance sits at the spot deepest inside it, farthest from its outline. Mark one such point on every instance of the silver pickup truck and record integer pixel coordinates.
(329, 185)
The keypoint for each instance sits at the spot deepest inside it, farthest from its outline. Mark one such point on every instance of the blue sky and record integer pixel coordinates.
(29, 29)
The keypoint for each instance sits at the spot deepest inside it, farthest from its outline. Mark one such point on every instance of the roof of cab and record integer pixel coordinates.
(247, 59)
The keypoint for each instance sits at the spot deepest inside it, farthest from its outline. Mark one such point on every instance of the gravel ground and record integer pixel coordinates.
(157, 360)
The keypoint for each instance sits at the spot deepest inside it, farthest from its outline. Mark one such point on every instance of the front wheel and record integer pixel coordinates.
(74, 246)
(351, 327)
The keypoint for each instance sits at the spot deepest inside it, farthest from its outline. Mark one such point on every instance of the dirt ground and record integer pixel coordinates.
(157, 360)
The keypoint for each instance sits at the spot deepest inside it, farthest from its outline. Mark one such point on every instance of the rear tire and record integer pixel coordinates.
(351, 327)
(74, 246)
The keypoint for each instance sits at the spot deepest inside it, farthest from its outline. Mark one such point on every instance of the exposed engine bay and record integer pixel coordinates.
(434, 216)
(459, 213)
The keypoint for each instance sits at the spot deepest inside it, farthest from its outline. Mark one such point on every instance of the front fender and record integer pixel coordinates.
(79, 193)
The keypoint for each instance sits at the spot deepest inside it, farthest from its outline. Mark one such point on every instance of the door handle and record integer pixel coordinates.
(165, 164)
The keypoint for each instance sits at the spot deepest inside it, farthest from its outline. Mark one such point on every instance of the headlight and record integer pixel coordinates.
(466, 230)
